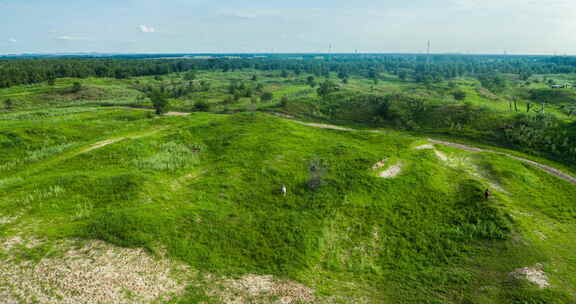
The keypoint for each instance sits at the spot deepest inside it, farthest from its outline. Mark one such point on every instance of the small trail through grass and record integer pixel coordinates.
(546, 168)
(87, 148)
(110, 141)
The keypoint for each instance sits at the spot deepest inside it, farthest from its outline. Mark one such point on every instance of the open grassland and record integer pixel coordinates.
(201, 195)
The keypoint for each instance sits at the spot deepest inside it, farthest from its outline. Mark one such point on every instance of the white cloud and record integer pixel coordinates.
(516, 5)
(247, 13)
(147, 29)
(69, 38)
(12, 40)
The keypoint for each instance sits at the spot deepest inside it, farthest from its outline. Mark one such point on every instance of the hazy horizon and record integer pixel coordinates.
(199, 26)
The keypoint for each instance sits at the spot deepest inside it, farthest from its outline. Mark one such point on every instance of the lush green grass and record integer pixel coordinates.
(205, 187)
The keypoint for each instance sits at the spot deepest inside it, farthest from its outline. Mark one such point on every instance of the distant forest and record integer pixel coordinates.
(419, 68)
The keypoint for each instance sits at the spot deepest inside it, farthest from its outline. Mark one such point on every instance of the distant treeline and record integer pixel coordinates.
(419, 68)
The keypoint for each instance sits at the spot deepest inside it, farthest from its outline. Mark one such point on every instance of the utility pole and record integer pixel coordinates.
(428, 55)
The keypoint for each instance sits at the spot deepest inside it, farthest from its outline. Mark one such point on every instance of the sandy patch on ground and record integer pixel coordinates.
(443, 157)
(425, 147)
(103, 143)
(176, 114)
(392, 171)
(283, 115)
(253, 288)
(325, 126)
(95, 273)
(439, 154)
(533, 274)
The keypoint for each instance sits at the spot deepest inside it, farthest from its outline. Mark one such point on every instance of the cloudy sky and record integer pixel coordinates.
(191, 26)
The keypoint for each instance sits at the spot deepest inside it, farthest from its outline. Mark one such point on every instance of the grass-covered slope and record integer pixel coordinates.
(206, 189)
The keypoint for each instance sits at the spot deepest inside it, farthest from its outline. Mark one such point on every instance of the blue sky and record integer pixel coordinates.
(146, 26)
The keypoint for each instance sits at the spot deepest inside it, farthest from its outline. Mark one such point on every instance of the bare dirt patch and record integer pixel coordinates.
(103, 143)
(253, 288)
(176, 114)
(425, 147)
(287, 116)
(533, 274)
(441, 155)
(324, 126)
(94, 273)
(392, 171)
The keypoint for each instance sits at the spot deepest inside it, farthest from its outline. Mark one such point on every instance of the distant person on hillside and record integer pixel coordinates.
(283, 190)
(487, 194)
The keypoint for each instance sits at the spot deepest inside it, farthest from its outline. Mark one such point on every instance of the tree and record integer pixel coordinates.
(284, 101)
(374, 75)
(311, 81)
(232, 87)
(326, 88)
(267, 96)
(8, 105)
(201, 106)
(205, 85)
(254, 77)
(459, 95)
(493, 82)
(403, 75)
(236, 96)
(190, 76)
(76, 87)
(159, 101)
(228, 100)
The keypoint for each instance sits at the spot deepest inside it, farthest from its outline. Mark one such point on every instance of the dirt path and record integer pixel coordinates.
(176, 114)
(323, 126)
(546, 168)
(103, 143)
(110, 141)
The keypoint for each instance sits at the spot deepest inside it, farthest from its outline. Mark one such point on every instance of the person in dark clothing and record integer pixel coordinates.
(487, 194)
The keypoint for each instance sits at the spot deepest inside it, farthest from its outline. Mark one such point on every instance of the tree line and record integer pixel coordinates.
(417, 68)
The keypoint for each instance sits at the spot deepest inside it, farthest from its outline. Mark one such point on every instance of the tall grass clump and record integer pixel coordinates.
(171, 156)
(47, 151)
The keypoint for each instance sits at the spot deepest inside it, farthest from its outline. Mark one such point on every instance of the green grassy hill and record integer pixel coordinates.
(204, 190)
